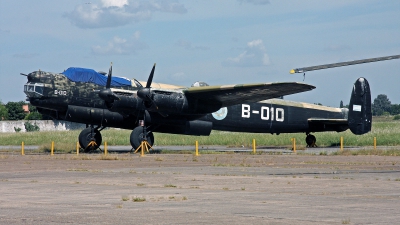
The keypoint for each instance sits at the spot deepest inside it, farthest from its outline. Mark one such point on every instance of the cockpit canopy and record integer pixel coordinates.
(34, 90)
(199, 84)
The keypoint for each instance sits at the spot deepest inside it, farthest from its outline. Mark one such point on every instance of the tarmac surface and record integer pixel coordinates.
(227, 188)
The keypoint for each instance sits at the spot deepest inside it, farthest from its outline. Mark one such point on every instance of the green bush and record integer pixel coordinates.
(396, 117)
(31, 127)
(33, 116)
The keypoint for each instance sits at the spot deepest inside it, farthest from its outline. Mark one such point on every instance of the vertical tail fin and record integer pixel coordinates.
(360, 115)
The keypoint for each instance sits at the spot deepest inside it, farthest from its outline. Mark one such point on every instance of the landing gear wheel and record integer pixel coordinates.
(310, 140)
(87, 142)
(137, 136)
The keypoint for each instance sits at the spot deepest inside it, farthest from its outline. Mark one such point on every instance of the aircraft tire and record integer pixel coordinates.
(311, 140)
(137, 135)
(85, 138)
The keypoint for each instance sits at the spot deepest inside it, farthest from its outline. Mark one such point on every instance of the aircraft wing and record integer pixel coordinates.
(228, 95)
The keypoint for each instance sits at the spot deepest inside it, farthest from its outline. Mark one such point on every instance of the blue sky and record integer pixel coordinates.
(215, 41)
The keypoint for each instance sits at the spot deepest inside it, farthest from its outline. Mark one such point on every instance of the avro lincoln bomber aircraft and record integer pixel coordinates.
(99, 101)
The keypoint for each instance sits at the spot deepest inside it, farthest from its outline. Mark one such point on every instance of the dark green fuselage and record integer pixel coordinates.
(79, 102)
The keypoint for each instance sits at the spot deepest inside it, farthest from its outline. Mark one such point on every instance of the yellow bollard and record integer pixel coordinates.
(77, 148)
(52, 148)
(254, 146)
(105, 148)
(375, 143)
(142, 148)
(22, 149)
(341, 143)
(294, 144)
(197, 148)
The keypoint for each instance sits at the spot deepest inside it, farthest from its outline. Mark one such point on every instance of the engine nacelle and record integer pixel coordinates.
(177, 103)
(192, 127)
(197, 127)
(167, 102)
(125, 104)
(91, 115)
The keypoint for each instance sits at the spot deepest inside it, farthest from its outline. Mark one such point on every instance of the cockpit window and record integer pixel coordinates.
(39, 89)
(137, 83)
(29, 88)
(34, 89)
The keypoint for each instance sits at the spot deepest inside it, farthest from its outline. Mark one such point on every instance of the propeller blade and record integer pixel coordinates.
(23, 74)
(150, 80)
(109, 77)
(146, 93)
(106, 94)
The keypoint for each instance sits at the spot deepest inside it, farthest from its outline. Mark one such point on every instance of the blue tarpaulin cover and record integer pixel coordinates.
(88, 75)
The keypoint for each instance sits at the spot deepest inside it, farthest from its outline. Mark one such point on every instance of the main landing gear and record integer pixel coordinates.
(310, 140)
(90, 138)
(137, 138)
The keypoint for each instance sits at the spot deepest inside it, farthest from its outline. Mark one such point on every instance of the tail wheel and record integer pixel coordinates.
(137, 137)
(89, 141)
(311, 140)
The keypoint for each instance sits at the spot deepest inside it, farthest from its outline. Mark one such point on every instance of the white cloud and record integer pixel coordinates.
(136, 35)
(254, 55)
(113, 13)
(117, 3)
(120, 46)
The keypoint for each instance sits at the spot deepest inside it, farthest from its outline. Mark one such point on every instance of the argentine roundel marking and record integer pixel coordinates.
(220, 114)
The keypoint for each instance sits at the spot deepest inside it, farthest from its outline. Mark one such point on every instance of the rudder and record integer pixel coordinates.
(360, 115)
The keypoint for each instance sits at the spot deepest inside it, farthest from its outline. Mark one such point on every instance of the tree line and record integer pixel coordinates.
(15, 111)
(383, 107)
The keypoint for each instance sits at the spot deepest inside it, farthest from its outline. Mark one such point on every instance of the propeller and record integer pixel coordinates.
(146, 93)
(106, 94)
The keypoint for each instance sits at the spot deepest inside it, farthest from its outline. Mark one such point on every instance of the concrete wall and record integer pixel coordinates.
(44, 125)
